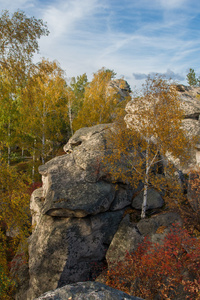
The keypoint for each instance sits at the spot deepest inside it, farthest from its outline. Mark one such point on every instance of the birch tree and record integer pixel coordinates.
(149, 136)
(18, 42)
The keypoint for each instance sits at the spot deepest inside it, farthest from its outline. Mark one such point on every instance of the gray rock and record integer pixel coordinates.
(150, 226)
(190, 103)
(36, 205)
(154, 200)
(125, 240)
(193, 193)
(86, 291)
(65, 250)
(129, 235)
(121, 87)
(73, 184)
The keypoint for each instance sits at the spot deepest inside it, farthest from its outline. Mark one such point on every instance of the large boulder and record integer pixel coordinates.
(75, 214)
(154, 200)
(67, 250)
(190, 103)
(74, 185)
(126, 239)
(86, 291)
(130, 234)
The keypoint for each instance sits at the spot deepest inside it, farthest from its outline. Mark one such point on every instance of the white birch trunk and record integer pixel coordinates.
(43, 133)
(70, 116)
(146, 181)
(9, 148)
(33, 167)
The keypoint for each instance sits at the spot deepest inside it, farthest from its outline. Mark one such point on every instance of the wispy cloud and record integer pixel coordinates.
(131, 37)
(64, 17)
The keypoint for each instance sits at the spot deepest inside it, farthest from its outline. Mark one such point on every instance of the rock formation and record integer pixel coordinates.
(86, 291)
(77, 213)
(190, 104)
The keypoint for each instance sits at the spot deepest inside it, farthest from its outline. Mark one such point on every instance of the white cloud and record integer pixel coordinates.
(64, 16)
(88, 34)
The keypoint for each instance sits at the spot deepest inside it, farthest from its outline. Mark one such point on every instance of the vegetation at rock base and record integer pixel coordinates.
(161, 271)
(15, 225)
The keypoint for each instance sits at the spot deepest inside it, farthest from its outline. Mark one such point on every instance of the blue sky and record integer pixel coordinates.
(132, 37)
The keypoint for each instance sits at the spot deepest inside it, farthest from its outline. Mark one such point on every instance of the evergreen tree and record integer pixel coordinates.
(191, 78)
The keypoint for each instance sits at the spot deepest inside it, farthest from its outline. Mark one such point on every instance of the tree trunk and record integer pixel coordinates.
(33, 167)
(9, 148)
(146, 181)
(70, 116)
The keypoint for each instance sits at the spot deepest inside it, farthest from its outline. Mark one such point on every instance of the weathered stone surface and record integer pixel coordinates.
(73, 184)
(150, 226)
(154, 200)
(64, 250)
(86, 291)
(125, 240)
(193, 192)
(129, 235)
(36, 205)
(190, 103)
(75, 214)
(121, 87)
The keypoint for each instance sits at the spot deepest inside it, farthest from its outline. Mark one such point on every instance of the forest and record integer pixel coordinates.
(40, 109)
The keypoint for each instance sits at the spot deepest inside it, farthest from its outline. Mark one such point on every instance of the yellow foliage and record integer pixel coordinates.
(100, 103)
(141, 152)
(14, 221)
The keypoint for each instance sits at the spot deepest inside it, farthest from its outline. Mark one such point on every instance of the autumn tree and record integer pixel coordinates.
(100, 103)
(9, 115)
(19, 41)
(42, 108)
(149, 141)
(15, 225)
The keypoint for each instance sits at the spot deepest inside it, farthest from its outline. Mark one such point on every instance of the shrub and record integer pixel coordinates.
(161, 271)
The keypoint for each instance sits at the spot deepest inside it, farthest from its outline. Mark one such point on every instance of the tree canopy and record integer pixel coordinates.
(19, 41)
(100, 103)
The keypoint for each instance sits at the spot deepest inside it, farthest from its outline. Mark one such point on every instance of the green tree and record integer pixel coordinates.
(153, 139)
(191, 78)
(75, 96)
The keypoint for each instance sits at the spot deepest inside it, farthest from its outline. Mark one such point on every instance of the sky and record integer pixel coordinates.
(132, 37)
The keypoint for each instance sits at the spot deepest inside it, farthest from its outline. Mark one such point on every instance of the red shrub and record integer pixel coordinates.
(162, 271)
